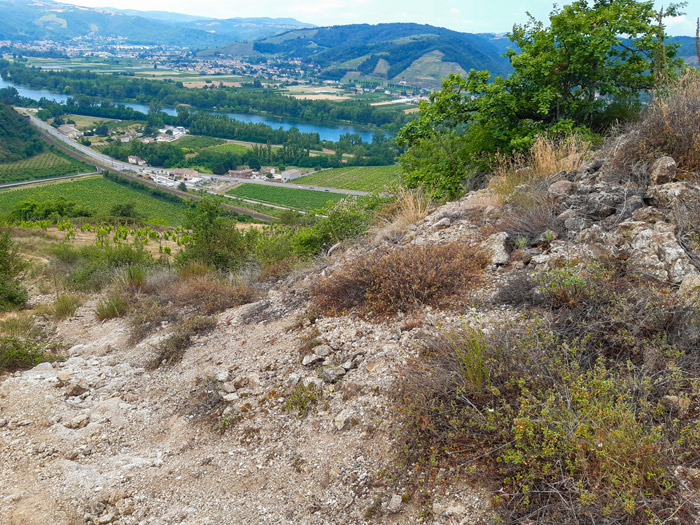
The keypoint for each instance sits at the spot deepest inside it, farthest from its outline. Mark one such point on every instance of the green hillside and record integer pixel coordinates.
(47, 20)
(18, 140)
(418, 54)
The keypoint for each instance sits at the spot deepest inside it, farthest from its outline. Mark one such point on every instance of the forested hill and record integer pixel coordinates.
(18, 140)
(48, 20)
(418, 54)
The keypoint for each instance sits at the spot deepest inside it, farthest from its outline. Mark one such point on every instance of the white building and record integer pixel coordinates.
(290, 175)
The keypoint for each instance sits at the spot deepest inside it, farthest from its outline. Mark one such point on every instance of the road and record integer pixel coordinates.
(104, 162)
(99, 157)
(39, 181)
(237, 180)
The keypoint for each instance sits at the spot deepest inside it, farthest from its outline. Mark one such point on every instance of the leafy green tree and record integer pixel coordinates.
(573, 75)
(182, 187)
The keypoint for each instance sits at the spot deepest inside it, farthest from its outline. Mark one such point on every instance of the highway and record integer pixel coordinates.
(99, 157)
(237, 180)
(39, 181)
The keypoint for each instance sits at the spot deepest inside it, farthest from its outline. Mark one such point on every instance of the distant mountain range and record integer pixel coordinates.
(21, 20)
(415, 53)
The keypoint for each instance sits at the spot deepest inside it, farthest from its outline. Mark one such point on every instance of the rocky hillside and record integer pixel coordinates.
(305, 419)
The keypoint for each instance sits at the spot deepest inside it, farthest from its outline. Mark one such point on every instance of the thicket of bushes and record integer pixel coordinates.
(580, 413)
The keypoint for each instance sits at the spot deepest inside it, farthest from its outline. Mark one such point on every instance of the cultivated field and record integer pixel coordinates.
(100, 195)
(42, 166)
(369, 178)
(290, 197)
(230, 148)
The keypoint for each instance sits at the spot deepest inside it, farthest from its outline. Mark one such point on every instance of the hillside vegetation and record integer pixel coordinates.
(383, 51)
(18, 140)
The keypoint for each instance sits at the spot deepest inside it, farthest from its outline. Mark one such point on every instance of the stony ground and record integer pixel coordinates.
(99, 438)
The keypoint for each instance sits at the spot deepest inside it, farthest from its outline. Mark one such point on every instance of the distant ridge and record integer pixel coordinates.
(414, 53)
(48, 20)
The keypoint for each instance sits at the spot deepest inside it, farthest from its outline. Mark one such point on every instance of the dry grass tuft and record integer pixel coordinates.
(670, 126)
(410, 206)
(401, 280)
(547, 158)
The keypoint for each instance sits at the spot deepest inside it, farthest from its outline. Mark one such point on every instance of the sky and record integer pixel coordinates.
(471, 16)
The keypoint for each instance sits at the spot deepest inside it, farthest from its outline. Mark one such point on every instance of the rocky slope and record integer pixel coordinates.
(98, 438)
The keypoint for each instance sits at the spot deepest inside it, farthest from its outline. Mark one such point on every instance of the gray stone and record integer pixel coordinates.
(3, 422)
(43, 366)
(497, 246)
(663, 170)
(394, 505)
(344, 419)
(311, 359)
(332, 374)
(229, 398)
(323, 350)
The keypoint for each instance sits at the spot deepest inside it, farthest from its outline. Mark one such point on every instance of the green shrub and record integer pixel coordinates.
(582, 414)
(20, 354)
(112, 307)
(91, 268)
(66, 305)
(301, 399)
(12, 294)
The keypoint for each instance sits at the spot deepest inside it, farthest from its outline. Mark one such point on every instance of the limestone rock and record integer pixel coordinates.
(77, 422)
(663, 170)
(562, 187)
(394, 505)
(497, 246)
(690, 289)
(75, 389)
(344, 419)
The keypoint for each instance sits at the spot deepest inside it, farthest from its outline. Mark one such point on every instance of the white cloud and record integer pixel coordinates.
(455, 11)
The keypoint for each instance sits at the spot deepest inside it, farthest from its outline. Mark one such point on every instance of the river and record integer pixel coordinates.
(325, 131)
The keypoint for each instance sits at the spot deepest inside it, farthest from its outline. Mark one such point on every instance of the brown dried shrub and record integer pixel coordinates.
(401, 280)
(670, 126)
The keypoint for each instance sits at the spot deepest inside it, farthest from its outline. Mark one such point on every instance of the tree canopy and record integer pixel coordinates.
(585, 70)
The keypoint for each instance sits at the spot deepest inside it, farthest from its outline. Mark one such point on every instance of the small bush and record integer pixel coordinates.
(91, 268)
(146, 316)
(66, 305)
(572, 413)
(12, 294)
(172, 349)
(401, 280)
(21, 326)
(301, 399)
(669, 126)
(209, 295)
(22, 354)
(410, 206)
(547, 157)
(112, 307)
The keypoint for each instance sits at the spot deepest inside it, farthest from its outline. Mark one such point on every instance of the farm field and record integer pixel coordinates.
(290, 197)
(197, 142)
(359, 178)
(50, 163)
(230, 148)
(83, 122)
(99, 194)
